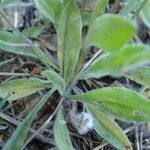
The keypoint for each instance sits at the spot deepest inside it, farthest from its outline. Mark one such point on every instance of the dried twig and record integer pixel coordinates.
(44, 125)
(14, 74)
(21, 5)
(15, 122)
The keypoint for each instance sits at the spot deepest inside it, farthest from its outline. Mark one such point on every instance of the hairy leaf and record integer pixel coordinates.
(116, 64)
(85, 18)
(145, 13)
(108, 129)
(120, 102)
(61, 133)
(15, 44)
(33, 32)
(55, 79)
(18, 137)
(140, 75)
(110, 32)
(51, 9)
(19, 88)
(69, 40)
(37, 52)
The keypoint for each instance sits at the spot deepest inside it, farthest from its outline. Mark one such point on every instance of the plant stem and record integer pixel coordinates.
(61, 101)
(139, 9)
(91, 60)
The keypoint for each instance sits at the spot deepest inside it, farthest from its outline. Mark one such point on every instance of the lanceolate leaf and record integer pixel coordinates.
(51, 9)
(15, 44)
(145, 13)
(108, 129)
(19, 44)
(18, 138)
(19, 88)
(116, 64)
(55, 79)
(69, 39)
(33, 32)
(61, 133)
(140, 75)
(110, 32)
(39, 53)
(120, 102)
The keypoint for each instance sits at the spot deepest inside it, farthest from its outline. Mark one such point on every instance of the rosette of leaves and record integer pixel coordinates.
(112, 34)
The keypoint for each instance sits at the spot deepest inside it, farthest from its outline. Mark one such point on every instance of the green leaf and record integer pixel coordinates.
(120, 102)
(69, 40)
(110, 32)
(140, 75)
(55, 79)
(85, 18)
(33, 32)
(19, 44)
(99, 9)
(65, 1)
(15, 44)
(39, 53)
(145, 13)
(19, 88)
(61, 133)
(108, 129)
(51, 9)
(18, 138)
(118, 63)
(131, 6)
